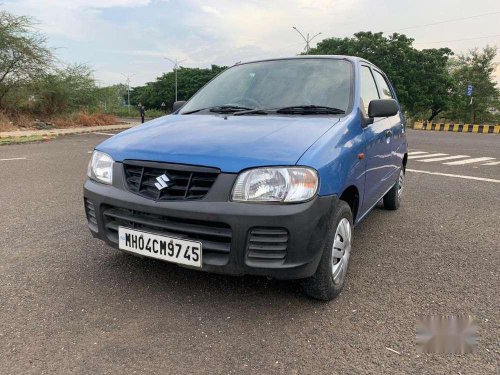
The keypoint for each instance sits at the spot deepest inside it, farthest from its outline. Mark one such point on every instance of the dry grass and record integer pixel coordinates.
(84, 119)
(97, 119)
(23, 121)
(5, 123)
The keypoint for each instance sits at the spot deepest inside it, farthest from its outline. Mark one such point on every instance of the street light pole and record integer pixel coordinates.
(176, 63)
(307, 40)
(127, 78)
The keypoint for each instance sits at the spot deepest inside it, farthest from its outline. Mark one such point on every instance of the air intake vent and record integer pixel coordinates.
(214, 237)
(91, 216)
(267, 244)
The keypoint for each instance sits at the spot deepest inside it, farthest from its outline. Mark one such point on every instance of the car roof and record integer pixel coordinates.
(354, 59)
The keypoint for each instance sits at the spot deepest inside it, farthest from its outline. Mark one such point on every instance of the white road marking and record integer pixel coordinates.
(455, 176)
(89, 152)
(444, 158)
(492, 163)
(425, 156)
(104, 133)
(468, 161)
(417, 152)
(13, 159)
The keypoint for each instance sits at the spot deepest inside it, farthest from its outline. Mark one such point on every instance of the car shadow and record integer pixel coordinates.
(184, 281)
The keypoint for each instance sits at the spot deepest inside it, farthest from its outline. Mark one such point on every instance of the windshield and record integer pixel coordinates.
(278, 84)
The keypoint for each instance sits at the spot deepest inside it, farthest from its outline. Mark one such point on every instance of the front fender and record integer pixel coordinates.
(336, 157)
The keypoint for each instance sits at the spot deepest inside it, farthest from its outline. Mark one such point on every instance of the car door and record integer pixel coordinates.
(378, 152)
(394, 123)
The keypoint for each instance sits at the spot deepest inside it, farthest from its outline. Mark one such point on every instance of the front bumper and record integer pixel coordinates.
(293, 234)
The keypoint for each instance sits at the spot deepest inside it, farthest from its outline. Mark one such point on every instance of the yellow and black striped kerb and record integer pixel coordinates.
(458, 128)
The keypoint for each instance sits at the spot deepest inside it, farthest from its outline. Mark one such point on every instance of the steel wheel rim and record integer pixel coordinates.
(401, 182)
(341, 250)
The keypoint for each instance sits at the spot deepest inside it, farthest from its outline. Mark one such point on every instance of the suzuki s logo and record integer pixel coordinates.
(162, 183)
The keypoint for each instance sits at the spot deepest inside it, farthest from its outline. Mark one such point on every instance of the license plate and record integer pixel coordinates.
(167, 248)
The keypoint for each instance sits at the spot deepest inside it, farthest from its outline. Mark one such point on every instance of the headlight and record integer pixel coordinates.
(276, 184)
(101, 167)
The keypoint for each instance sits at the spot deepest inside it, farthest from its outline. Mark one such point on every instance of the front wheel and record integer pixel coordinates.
(330, 276)
(392, 199)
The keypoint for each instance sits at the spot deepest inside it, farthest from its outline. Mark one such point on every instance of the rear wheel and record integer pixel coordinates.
(330, 276)
(392, 199)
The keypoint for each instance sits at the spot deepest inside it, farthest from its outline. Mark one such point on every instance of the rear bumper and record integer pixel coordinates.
(226, 229)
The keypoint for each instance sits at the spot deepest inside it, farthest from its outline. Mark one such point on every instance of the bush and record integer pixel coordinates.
(82, 119)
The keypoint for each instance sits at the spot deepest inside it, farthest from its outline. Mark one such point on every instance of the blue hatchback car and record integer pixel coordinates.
(264, 171)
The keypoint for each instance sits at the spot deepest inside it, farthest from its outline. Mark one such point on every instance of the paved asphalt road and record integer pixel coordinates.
(69, 304)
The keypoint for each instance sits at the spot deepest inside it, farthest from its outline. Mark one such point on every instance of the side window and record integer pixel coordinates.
(385, 91)
(368, 88)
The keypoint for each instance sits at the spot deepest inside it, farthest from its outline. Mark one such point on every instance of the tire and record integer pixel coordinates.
(329, 279)
(392, 199)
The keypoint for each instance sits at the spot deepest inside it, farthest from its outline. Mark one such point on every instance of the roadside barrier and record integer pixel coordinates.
(457, 128)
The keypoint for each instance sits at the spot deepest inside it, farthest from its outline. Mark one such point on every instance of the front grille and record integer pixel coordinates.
(214, 237)
(186, 182)
(91, 216)
(267, 244)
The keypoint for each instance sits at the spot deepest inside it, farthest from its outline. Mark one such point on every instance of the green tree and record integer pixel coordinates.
(420, 78)
(24, 55)
(475, 68)
(431, 86)
(112, 97)
(190, 80)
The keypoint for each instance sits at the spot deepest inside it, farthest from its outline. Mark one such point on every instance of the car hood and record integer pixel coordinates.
(229, 143)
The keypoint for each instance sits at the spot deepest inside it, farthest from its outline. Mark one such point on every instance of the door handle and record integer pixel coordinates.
(388, 133)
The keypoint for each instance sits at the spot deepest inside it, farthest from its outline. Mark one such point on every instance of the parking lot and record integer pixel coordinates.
(69, 304)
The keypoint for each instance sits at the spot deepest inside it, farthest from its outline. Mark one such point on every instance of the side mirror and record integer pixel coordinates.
(383, 108)
(178, 105)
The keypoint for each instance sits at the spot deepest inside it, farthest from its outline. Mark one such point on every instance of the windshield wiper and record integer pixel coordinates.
(219, 109)
(256, 111)
(294, 110)
(310, 109)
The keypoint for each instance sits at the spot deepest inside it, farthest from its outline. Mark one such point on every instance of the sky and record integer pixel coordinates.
(132, 37)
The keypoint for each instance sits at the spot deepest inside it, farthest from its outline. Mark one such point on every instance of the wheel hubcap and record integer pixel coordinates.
(341, 251)
(401, 183)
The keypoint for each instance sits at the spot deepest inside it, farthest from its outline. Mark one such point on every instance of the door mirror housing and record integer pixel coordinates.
(178, 105)
(383, 108)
